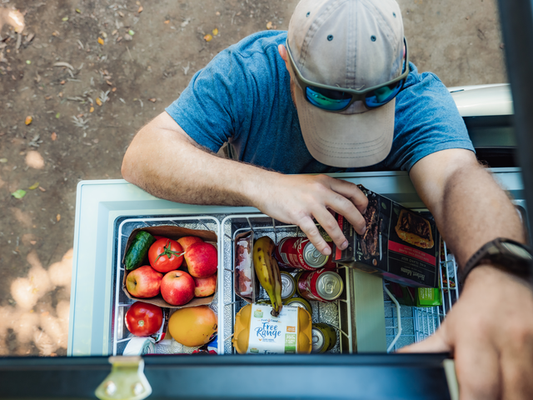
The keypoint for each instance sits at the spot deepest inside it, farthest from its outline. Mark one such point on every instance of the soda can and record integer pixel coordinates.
(299, 302)
(299, 252)
(322, 285)
(288, 285)
(324, 337)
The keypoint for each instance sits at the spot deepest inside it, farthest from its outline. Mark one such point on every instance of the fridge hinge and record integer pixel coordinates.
(126, 380)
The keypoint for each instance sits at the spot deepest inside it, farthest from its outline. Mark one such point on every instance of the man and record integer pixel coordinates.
(336, 93)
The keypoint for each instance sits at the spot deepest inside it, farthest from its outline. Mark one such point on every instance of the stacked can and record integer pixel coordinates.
(324, 337)
(299, 302)
(288, 285)
(321, 285)
(300, 253)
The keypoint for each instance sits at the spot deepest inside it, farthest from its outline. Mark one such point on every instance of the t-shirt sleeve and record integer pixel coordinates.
(427, 121)
(209, 109)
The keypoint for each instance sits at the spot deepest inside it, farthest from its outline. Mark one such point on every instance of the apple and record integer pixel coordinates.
(144, 282)
(187, 241)
(205, 286)
(177, 287)
(201, 259)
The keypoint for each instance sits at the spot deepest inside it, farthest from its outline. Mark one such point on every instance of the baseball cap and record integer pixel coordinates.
(352, 44)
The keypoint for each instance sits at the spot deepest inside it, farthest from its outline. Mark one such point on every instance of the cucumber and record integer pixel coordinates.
(138, 249)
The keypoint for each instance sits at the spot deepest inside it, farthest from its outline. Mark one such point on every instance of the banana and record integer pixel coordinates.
(267, 271)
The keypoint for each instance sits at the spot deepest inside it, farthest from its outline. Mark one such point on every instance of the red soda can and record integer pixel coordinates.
(299, 252)
(321, 285)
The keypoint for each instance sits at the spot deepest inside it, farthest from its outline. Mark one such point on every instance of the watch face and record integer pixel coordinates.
(517, 250)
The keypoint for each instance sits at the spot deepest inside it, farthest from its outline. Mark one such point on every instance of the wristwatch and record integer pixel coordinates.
(505, 254)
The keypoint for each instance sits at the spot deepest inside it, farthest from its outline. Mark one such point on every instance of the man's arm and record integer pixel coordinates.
(163, 160)
(490, 329)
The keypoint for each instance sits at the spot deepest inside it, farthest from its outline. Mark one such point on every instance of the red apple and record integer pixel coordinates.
(185, 242)
(144, 282)
(201, 259)
(177, 287)
(205, 286)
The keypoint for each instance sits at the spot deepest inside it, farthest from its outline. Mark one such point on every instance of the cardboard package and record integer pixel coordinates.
(399, 244)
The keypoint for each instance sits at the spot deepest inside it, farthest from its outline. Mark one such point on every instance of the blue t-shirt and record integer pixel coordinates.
(243, 97)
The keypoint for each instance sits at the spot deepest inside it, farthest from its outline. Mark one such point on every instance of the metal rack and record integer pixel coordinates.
(404, 325)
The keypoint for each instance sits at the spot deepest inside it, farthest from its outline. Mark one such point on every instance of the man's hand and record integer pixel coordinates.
(304, 199)
(490, 333)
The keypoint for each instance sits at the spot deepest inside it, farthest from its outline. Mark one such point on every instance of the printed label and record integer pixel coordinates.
(412, 252)
(270, 335)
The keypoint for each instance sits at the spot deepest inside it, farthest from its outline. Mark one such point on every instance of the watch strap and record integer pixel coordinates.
(491, 254)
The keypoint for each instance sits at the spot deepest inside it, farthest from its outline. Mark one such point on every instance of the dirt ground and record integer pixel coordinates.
(90, 74)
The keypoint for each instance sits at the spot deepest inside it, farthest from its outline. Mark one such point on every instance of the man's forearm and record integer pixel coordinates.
(469, 206)
(170, 165)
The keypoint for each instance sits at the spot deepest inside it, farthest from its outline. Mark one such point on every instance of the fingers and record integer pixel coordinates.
(309, 228)
(352, 193)
(436, 343)
(350, 202)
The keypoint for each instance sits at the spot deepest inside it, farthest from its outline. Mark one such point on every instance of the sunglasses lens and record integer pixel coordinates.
(332, 100)
(383, 95)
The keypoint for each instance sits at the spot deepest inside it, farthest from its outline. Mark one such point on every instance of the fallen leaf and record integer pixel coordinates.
(58, 217)
(114, 32)
(65, 19)
(33, 242)
(131, 33)
(167, 21)
(42, 189)
(121, 14)
(208, 37)
(28, 62)
(48, 98)
(55, 33)
(91, 109)
(28, 120)
(58, 115)
(140, 10)
(78, 10)
(53, 136)
(114, 89)
(269, 25)
(34, 186)
(101, 41)
(60, 93)
(215, 32)
(217, 13)
(3, 160)
(19, 194)
(62, 83)
(98, 101)
(109, 83)
(104, 35)
(153, 100)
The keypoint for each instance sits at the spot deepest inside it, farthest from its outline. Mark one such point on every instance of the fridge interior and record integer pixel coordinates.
(403, 325)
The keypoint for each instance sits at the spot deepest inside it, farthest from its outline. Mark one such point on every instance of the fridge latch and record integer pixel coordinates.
(126, 380)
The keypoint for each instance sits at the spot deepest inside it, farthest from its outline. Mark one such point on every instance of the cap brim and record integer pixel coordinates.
(346, 140)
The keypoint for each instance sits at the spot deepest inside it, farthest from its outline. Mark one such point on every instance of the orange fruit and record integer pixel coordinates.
(193, 326)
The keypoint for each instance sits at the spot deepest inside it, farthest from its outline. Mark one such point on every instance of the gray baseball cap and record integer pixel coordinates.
(352, 44)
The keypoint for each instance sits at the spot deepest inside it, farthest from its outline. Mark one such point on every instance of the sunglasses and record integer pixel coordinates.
(336, 99)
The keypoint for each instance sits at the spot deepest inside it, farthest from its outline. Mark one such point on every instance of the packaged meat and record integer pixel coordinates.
(245, 285)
